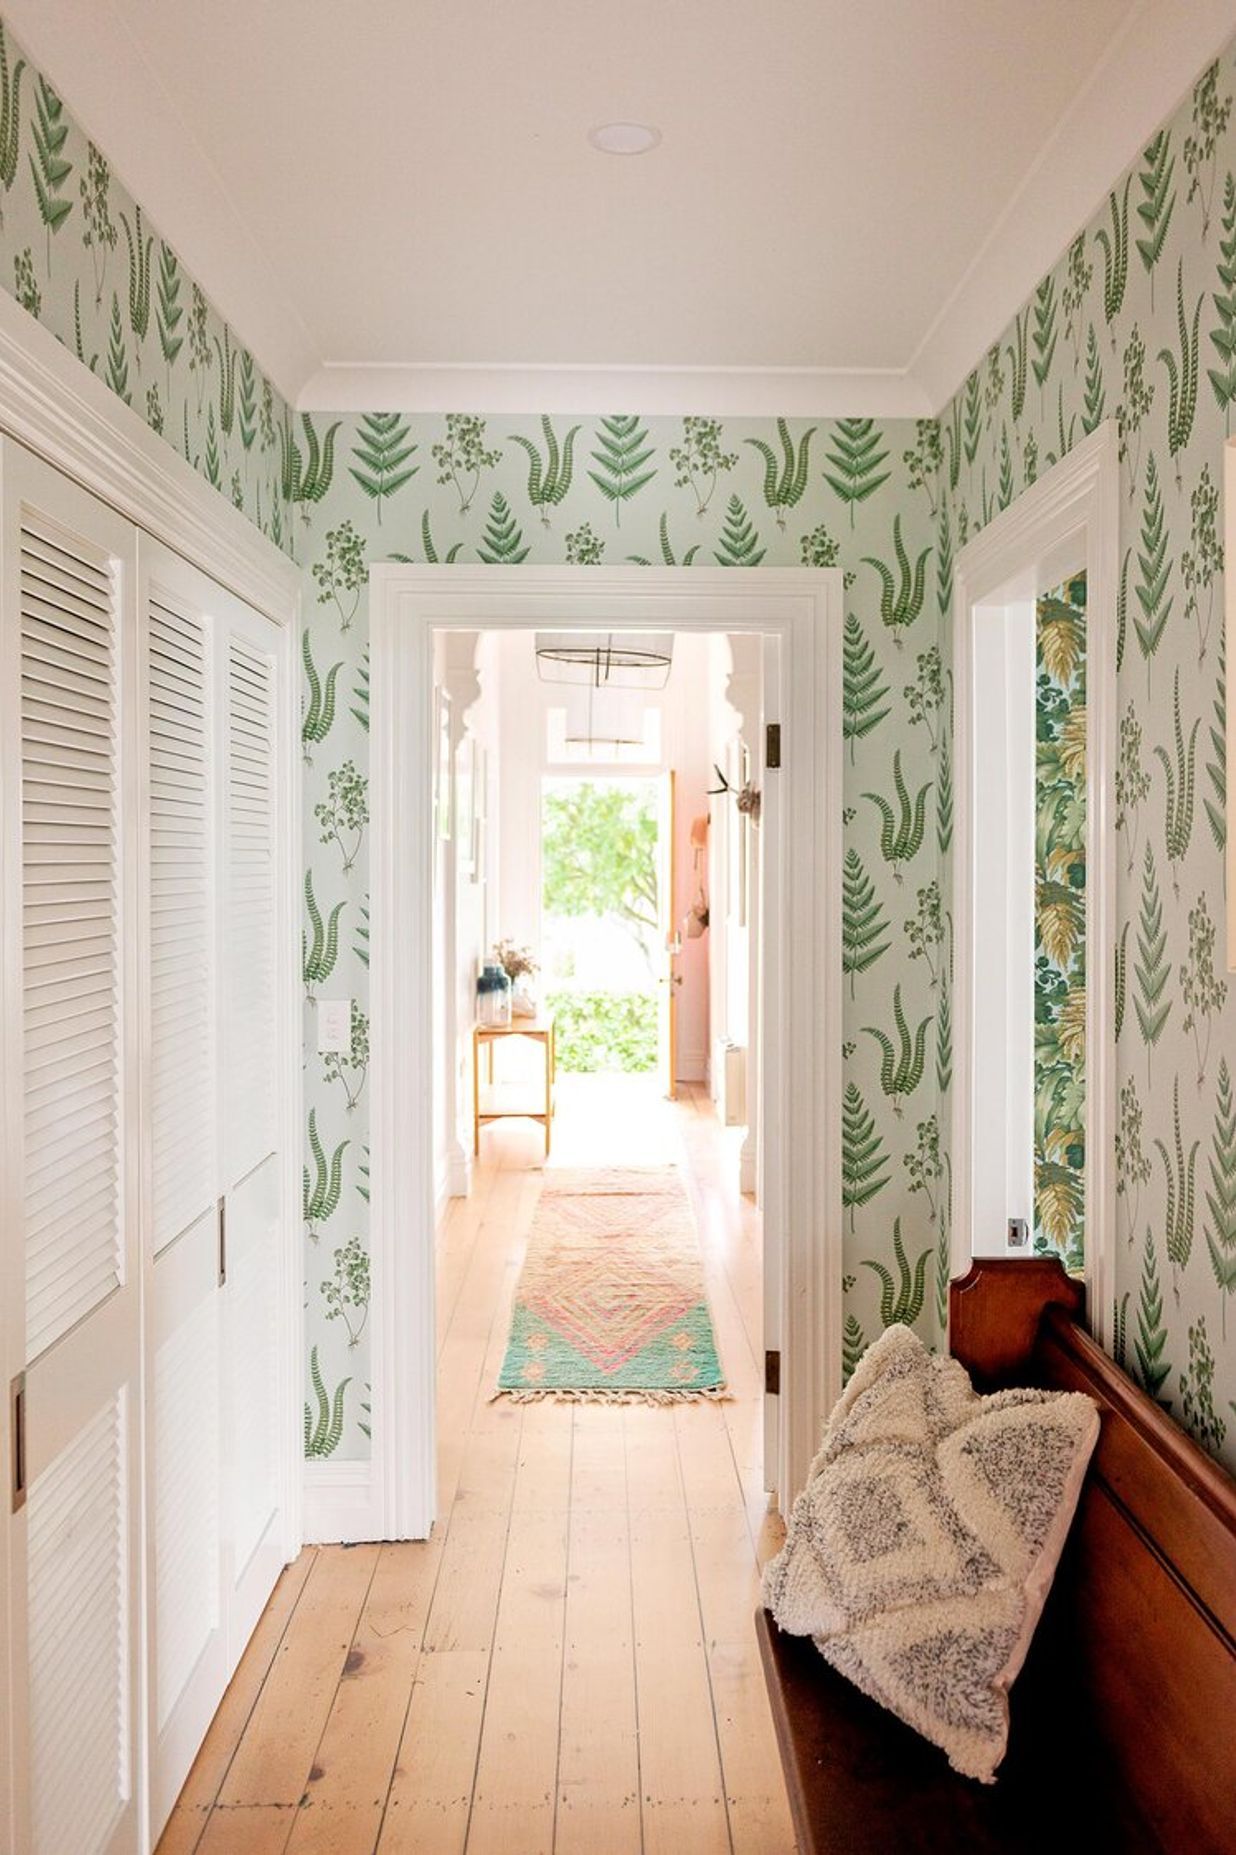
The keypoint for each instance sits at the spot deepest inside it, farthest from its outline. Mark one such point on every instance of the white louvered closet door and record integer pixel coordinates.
(252, 663)
(187, 1638)
(68, 1211)
(214, 820)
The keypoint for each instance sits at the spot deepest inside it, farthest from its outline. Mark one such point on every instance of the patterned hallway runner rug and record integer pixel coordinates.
(611, 1305)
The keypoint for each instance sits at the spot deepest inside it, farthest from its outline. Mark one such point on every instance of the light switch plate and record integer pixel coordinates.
(334, 1026)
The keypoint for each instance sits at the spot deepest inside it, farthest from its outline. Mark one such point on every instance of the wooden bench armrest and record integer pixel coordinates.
(995, 1312)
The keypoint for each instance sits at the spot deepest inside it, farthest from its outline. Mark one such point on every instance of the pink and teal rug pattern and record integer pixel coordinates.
(611, 1305)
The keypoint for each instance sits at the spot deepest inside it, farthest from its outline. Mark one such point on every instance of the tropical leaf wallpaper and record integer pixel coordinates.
(79, 254)
(1060, 923)
(1137, 323)
(696, 492)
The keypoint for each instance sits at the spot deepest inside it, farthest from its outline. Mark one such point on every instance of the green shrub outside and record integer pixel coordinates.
(598, 1031)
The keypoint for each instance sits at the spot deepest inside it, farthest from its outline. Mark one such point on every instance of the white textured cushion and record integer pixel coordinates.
(922, 1549)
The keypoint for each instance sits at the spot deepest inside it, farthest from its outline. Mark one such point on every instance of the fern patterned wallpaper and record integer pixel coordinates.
(1137, 322)
(80, 256)
(741, 494)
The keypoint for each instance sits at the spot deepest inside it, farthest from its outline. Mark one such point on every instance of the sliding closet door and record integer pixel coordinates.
(252, 663)
(68, 1214)
(187, 1641)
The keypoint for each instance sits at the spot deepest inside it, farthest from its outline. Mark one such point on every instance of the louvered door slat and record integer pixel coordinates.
(251, 905)
(70, 907)
(181, 875)
(77, 1648)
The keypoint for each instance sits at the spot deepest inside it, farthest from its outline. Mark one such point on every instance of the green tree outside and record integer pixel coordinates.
(599, 860)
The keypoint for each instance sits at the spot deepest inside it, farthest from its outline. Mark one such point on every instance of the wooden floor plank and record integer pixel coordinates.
(517, 1770)
(432, 1791)
(681, 1786)
(598, 1750)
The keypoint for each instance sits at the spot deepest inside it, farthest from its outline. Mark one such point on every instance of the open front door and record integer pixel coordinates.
(669, 938)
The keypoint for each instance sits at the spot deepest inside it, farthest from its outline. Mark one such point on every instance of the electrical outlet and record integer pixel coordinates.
(1019, 1234)
(334, 1026)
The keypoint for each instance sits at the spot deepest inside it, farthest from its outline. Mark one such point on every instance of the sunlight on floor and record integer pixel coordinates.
(611, 1120)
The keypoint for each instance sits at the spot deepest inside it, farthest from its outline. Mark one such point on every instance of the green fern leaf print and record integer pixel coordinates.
(740, 544)
(622, 460)
(382, 451)
(48, 163)
(502, 544)
(855, 464)
(1158, 201)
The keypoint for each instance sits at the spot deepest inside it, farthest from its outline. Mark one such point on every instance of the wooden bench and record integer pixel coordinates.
(1124, 1717)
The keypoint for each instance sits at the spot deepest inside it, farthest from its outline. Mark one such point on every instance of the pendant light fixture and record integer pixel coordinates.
(605, 660)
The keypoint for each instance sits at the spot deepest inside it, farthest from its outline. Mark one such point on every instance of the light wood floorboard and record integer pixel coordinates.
(569, 1664)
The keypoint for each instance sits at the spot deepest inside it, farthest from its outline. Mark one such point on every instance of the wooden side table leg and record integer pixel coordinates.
(549, 1090)
(476, 1094)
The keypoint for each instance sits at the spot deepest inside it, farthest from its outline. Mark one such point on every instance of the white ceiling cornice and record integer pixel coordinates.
(725, 392)
(1149, 67)
(89, 55)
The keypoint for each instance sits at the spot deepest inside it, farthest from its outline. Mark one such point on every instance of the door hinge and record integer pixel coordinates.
(772, 744)
(17, 1439)
(222, 1242)
(772, 1374)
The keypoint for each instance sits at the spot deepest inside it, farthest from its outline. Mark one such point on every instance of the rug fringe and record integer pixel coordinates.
(599, 1395)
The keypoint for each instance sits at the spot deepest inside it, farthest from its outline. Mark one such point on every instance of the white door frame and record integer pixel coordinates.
(1075, 504)
(801, 610)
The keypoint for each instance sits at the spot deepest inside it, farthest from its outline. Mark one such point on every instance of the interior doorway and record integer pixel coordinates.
(611, 1300)
(795, 620)
(1035, 640)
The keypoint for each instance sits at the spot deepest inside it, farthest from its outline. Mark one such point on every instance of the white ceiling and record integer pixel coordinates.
(395, 201)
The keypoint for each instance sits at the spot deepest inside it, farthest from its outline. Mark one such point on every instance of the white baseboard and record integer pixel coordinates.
(341, 1505)
(692, 1066)
(748, 1169)
(458, 1172)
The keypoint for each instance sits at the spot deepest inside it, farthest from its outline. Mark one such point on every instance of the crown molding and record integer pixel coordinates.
(1149, 67)
(119, 100)
(730, 392)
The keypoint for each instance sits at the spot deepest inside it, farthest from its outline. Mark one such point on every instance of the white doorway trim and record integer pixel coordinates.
(1073, 509)
(798, 613)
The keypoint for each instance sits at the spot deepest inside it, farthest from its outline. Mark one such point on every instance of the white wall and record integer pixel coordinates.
(522, 704)
(1003, 810)
(469, 670)
(733, 679)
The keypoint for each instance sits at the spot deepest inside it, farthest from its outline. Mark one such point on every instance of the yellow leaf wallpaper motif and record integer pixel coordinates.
(1060, 923)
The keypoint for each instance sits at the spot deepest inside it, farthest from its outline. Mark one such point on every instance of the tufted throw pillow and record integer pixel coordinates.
(922, 1549)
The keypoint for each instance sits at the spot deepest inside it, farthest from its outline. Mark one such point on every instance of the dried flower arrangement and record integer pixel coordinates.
(516, 962)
